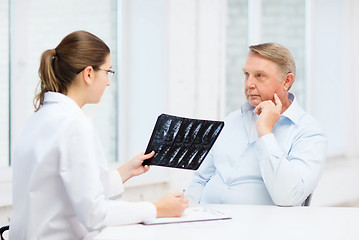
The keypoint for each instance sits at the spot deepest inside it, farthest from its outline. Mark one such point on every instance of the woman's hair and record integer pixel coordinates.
(59, 66)
(277, 54)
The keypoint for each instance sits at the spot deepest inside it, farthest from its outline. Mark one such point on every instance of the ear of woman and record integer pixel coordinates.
(88, 75)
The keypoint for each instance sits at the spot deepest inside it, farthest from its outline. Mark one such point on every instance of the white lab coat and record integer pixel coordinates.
(61, 183)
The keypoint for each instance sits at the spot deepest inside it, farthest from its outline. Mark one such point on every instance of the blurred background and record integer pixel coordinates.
(185, 57)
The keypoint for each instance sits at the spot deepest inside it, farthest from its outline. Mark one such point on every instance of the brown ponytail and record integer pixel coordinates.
(47, 76)
(59, 66)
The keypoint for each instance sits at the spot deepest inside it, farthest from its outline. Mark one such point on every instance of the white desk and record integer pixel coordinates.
(252, 223)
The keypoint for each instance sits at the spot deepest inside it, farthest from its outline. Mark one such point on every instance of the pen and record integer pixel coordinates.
(183, 191)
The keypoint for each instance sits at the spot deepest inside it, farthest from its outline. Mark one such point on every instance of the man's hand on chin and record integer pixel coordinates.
(269, 113)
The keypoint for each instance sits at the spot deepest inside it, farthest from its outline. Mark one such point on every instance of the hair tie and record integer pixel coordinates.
(54, 54)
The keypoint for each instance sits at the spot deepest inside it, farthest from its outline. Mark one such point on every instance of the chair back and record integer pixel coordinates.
(307, 201)
(2, 230)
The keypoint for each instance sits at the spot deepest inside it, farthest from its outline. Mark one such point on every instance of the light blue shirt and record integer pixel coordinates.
(280, 168)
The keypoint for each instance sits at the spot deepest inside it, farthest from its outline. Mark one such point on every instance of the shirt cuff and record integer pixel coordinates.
(152, 212)
(116, 185)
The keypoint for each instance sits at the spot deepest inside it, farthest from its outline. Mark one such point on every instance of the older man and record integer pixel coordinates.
(270, 151)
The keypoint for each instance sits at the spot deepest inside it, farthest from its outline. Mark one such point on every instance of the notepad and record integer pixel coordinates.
(192, 214)
(182, 142)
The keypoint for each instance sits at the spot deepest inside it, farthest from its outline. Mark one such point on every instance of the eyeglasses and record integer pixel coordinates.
(110, 73)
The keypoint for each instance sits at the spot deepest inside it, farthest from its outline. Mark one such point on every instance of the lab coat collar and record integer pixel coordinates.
(55, 97)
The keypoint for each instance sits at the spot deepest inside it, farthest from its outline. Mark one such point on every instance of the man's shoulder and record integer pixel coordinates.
(299, 116)
(308, 120)
(309, 124)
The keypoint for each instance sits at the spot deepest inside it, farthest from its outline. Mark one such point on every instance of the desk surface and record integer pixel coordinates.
(252, 222)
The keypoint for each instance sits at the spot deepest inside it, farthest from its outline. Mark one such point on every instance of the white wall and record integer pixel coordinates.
(339, 185)
(332, 96)
(4, 85)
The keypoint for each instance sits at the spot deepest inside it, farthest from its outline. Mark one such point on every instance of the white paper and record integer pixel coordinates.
(192, 214)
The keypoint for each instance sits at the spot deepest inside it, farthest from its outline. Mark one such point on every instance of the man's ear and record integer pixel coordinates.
(88, 75)
(288, 81)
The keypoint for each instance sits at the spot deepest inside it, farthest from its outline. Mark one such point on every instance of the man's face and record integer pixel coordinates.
(262, 80)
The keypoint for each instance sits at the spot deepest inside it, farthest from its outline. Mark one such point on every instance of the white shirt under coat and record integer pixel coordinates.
(62, 187)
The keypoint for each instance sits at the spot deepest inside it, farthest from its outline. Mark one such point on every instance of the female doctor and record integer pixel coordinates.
(62, 187)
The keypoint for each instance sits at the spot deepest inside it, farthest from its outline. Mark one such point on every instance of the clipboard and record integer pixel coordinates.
(191, 214)
(181, 142)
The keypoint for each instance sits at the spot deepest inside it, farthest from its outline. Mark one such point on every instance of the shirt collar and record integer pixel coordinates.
(246, 107)
(293, 112)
